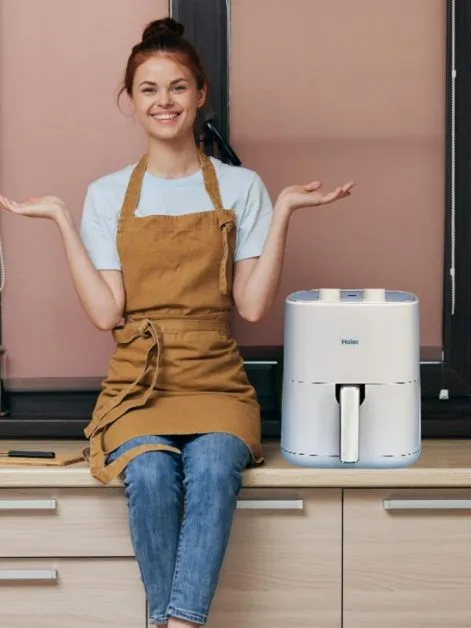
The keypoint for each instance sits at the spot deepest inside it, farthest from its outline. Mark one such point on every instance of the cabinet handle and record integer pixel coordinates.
(28, 504)
(30, 575)
(270, 504)
(427, 504)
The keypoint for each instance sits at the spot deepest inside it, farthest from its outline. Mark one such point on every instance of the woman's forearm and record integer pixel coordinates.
(263, 282)
(256, 292)
(102, 307)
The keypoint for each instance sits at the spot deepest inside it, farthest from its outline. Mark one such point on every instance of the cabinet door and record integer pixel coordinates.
(71, 593)
(283, 565)
(407, 559)
(63, 522)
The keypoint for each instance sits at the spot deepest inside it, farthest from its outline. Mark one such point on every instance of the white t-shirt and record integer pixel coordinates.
(241, 190)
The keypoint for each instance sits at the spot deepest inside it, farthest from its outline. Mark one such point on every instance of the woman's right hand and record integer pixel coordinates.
(50, 207)
(101, 293)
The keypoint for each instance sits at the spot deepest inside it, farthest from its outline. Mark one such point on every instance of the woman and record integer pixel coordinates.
(162, 262)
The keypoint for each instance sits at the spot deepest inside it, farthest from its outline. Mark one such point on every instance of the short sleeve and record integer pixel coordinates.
(254, 221)
(98, 230)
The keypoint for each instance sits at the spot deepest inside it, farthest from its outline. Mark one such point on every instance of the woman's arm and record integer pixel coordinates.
(256, 280)
(101, 293)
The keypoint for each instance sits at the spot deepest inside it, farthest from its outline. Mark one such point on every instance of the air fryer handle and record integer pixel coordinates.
(349, 401)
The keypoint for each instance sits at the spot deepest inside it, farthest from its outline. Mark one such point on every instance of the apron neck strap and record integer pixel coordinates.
(133, 191)
(211, 181)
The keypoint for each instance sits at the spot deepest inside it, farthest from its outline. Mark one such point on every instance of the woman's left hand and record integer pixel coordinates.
(310, 195)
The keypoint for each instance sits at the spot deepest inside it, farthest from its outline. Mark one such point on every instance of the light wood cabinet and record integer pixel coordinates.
(326, 557)
(283, 566)
(407, 558)
(63, 522)
(66, 561)
(71, 593)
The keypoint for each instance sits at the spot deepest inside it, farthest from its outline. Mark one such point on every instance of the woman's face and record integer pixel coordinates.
(165, 98)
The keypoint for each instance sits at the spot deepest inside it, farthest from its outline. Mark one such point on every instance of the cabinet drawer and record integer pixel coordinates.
(63, 522)
(283, 565)
(71, 593)
(407, 557)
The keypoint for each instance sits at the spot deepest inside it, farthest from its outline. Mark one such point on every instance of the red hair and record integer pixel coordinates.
(164, 37)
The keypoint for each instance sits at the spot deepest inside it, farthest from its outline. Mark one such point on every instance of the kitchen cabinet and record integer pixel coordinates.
(407, 558)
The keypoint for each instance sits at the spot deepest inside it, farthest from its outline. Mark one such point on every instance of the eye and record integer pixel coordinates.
(148, 90)
(179, 88)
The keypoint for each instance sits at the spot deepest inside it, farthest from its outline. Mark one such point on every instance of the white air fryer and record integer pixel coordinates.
(351, 379)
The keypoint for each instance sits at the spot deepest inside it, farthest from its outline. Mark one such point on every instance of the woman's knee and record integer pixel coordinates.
(154, 477)
(150, 469)
(216, 461)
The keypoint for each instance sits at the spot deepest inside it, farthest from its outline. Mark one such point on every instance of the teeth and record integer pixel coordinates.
(165, 116)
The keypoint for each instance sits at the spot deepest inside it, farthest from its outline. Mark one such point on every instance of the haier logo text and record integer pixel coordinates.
(349, 341)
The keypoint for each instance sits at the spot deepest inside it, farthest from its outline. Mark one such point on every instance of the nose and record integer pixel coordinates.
(164, 98)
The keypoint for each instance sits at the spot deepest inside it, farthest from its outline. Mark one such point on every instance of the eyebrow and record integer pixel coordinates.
(174, 82)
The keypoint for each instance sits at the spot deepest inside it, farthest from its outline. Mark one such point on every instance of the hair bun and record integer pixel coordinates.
(167, 26)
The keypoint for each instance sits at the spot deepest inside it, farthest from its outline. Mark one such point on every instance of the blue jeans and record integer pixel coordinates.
(180, 517)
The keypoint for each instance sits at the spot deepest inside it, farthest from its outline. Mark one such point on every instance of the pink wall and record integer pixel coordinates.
(320, 88)
(340, 90)
(61, 65)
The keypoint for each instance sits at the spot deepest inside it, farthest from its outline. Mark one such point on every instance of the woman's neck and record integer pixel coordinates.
(173, 160)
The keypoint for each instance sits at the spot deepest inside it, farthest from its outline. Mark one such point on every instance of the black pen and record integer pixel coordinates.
(17, 453)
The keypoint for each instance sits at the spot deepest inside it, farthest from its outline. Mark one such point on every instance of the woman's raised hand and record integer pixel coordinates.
(37, 207)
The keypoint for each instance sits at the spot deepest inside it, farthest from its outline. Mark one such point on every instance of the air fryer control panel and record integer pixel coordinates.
(367, 295)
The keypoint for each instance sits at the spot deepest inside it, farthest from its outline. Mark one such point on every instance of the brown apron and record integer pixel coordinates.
(176, 368)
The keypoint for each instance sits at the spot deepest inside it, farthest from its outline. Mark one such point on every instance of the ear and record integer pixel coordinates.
(202, 97)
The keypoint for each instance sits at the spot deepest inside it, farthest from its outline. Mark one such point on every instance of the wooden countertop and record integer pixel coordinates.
(443, 463)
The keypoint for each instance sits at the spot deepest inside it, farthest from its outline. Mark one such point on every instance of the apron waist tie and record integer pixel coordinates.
(119, 405)
(105, 473)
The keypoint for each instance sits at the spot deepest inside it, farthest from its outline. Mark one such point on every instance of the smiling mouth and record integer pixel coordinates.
(165, 118)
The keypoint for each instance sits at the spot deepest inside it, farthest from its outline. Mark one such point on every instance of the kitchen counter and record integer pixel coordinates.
(444, 463)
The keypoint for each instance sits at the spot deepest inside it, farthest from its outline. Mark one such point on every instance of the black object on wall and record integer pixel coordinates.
(457, 285)
(206, 25)
(447, 384)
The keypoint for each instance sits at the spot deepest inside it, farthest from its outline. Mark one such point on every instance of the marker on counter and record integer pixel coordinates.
(17, 453)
